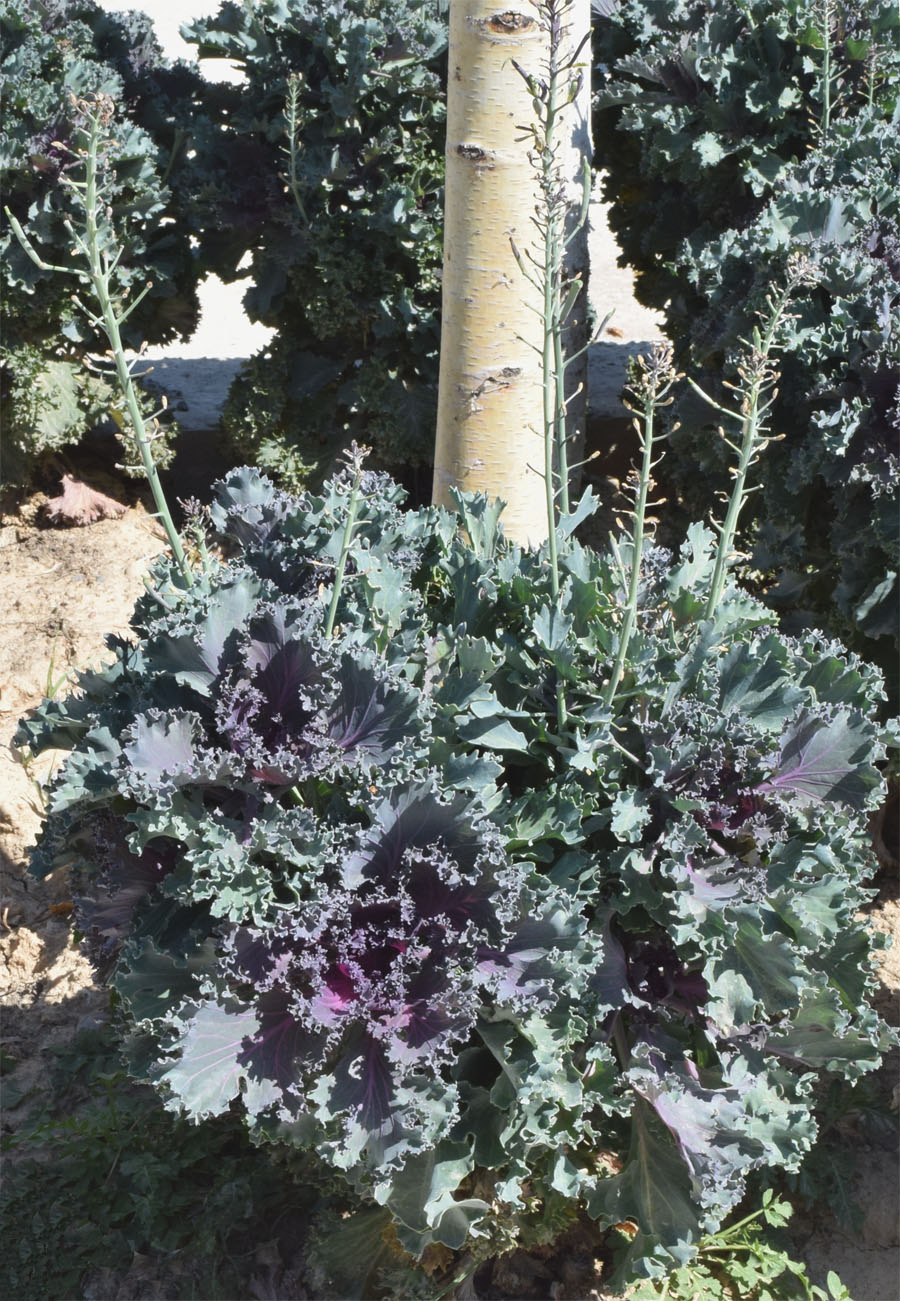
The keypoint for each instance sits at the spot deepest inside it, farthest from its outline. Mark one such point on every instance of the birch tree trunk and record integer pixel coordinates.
(490, 396)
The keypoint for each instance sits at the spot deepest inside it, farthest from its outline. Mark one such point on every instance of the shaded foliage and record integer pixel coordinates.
(324, 172)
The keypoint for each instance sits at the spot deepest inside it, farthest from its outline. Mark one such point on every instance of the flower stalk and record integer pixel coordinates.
(292, 116)
(355, 457)
(650, 387)
(756, 391)
(97, 246)
(551, 94)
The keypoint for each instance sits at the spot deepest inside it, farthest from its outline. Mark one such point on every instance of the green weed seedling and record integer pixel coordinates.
(740, 1263)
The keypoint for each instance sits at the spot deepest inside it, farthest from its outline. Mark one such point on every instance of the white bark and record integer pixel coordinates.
(489, 433)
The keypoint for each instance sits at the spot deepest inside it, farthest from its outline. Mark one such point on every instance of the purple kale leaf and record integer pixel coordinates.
(118, 882)
(658, 975)
(272, 702)
(415, 820)
(825, 761)
(694, 1139)
(361, 995)
(725, 1123)
(374, 714)
(292, 708)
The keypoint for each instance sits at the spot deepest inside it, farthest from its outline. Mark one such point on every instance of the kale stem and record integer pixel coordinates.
(736, 502)
(555, 457)
(619, 1040)
(551, 97)
(345, 547)
(826, 66)
(293, 151)
(559, 375)
(460, 1278)
(757, 377)
(100, 275)
(637, 550)
(551, 330)
(657, 377)
(627, 753)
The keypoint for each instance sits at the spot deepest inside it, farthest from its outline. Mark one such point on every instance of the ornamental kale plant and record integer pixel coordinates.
(354, 879)
(324, 172)
(52, 57)
(732, 136)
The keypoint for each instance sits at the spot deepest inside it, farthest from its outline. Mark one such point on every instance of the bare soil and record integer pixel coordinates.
(63, 591)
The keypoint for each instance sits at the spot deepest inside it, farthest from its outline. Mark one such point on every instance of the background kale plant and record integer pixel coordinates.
(731, 135)
(361, 884)
(53, 55)
(324, 171)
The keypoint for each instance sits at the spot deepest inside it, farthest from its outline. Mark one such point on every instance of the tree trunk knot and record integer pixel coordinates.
(474, 153)
(509, 21)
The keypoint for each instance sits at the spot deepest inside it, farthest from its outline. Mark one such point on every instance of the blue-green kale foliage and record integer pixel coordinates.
(724, 155)
(364, 890)
(51, 56)
(335, 203)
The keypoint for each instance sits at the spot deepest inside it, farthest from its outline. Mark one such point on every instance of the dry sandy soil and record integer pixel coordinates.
(64, 590)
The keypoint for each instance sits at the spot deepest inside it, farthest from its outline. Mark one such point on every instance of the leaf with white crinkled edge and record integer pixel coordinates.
(88, 775)
(654, 1193)
(208, 1072)
(725, 1126)
(755, 971)
(824, 1036)
(825, 761)
(197, 658)
(755, 683)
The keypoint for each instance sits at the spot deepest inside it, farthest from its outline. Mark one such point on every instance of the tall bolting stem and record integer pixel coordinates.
(355, 457)
(556, 469)
(551, 91)
(100, 273)
(291, 113)
(551, 96)
(757, 377)
(655, 379)
(826, 66)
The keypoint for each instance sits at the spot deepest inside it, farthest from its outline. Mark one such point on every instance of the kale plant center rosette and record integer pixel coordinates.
(365, 890)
